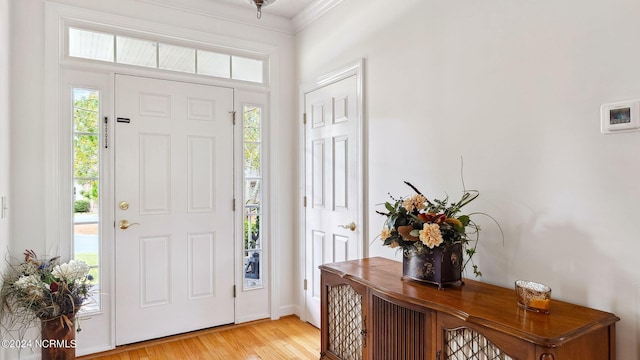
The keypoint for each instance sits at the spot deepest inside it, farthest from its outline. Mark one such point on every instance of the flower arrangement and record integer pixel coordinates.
(45, 290)
(417, 224)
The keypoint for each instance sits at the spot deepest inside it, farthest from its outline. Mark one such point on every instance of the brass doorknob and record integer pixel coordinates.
(124, 224)
(351, 226)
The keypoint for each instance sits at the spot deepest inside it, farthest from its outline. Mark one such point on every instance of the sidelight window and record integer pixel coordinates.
(252, 161)
(86, 180)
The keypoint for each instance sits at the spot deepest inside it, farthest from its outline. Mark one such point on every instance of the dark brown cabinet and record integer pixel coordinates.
(368, 312)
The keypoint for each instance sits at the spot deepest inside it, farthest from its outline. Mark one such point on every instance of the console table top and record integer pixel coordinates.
(476, 302)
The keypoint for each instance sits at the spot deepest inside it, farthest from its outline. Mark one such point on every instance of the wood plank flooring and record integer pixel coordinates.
(287, 338)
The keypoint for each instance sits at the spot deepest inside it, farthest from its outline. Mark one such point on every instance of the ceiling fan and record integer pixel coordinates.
(260, 4)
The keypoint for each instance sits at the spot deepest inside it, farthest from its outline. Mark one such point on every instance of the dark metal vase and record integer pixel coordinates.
(439, 266)
(58, 341)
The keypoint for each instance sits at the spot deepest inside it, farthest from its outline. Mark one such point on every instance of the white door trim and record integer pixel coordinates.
(57, 225)
(245, 311)
(356, 69)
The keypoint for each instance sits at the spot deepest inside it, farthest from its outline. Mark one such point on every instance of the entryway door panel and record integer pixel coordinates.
(332, 145)
(174, 187)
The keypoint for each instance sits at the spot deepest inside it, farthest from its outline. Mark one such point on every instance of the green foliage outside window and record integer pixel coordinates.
(252, 116)
(86, 142)
(81, 206)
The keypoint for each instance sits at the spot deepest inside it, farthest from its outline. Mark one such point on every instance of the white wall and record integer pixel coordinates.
(4, 116)
(29, 116)
(5, 75)
(515, 88)
(4, 121)
(5, 48)
(27, 97)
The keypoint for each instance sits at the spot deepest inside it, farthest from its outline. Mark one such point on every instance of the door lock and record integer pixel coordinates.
(123, 205)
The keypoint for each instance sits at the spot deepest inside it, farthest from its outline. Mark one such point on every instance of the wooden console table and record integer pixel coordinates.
(368, 312)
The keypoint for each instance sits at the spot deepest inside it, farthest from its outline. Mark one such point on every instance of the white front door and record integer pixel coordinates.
(332, 147)
(174, 187)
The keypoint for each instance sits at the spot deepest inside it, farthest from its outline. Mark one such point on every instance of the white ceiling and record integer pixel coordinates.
(288, 16)
(285, 8)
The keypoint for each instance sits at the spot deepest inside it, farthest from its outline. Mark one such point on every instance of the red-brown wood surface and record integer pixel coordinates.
(398, 331)
(479, 303)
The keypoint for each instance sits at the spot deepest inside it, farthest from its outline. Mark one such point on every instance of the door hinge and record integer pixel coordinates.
(305, 202)
(233, 116)
(234, 291)
(234, 205)
(304, 118)
(305, 284)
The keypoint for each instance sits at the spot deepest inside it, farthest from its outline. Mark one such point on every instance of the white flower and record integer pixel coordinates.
(31, 285)
(71, 271)
(430, 235)
(28, 268)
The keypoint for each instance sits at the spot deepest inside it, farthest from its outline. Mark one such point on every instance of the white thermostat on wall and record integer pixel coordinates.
(619, 117)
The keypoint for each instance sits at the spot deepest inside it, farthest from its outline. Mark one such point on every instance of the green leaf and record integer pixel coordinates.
(48, 279)
(392, 238)
(389, 207)
(468, 197)
(464, 219)
(476, 272)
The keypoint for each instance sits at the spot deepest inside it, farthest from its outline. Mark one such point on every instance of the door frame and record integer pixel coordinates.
(57, 156)
(356, 69)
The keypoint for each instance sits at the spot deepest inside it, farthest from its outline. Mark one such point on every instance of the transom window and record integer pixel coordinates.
(128, 50)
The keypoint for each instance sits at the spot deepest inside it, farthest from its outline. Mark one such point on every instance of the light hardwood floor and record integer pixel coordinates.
(287, 338)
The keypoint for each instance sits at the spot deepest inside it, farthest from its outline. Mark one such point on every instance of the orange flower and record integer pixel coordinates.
(430, 235)
(414, 202)
(454, 222)
(432, 218)
(386, 233)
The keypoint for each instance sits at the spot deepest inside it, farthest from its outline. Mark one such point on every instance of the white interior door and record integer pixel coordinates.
(332, 147)
(174, 186)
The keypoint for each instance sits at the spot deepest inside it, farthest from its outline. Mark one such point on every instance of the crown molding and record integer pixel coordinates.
(229, 13)
(312, 13)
